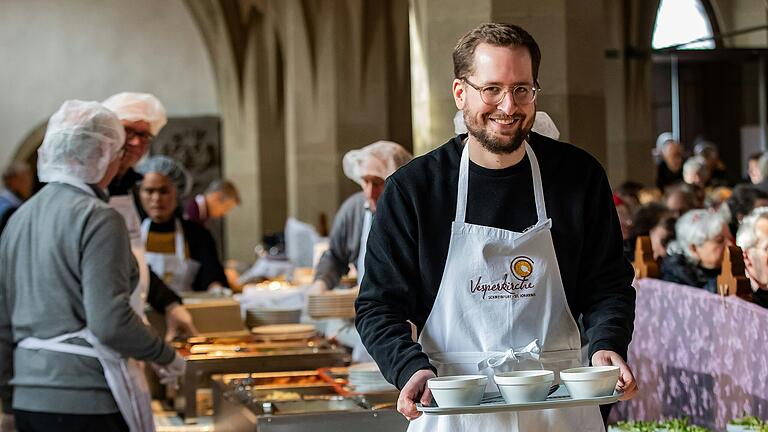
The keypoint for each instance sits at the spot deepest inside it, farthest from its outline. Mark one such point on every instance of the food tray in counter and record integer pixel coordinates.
(493, 402)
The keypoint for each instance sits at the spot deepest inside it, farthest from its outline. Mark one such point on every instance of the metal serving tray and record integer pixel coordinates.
(316, 412)
(493, 402)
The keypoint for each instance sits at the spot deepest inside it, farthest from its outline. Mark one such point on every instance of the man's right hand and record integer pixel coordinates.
(414, 391)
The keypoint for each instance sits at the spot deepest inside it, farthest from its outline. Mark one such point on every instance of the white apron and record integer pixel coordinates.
(125, 205)
(502, 290)
(175, 269)
(124, 376)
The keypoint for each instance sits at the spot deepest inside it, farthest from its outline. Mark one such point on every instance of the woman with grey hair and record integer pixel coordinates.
(752, 238)
(696, 255)
(183, 253)
(696, 172)
(71, 328)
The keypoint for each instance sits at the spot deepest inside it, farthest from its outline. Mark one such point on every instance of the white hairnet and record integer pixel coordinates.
(170, 168)
(81, 139)
(138, 107)
(380, 159)
(543, 125)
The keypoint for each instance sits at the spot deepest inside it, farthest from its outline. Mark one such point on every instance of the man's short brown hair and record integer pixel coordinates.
(227, 189)
(496, 34)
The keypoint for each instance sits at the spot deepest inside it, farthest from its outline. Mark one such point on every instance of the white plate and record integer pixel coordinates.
(493, 402)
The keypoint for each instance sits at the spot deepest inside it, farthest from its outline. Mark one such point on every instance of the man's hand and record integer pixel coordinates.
(178, 322)
(627, 383)
(6, 423)
(414, 391)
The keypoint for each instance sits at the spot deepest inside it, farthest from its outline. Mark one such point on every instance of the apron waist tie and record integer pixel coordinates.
(532, 351)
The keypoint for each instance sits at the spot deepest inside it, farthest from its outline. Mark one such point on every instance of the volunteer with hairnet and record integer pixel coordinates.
(181, 252)
(69, 308)
(368, 167)
(143, 116)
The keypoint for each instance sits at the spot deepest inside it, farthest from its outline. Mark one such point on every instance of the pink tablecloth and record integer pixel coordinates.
(696, 354)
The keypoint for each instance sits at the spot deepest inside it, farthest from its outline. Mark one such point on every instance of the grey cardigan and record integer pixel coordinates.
(66, 264)
(344, 241)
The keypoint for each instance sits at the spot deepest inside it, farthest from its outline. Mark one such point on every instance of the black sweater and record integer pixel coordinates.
(202, 249)
(408, 245)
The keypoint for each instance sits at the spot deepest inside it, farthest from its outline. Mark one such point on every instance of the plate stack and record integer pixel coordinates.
(366, 378)
(339, 303)
(279, 332)
(259, 316)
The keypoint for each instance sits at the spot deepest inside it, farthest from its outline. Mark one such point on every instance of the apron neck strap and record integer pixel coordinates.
(461, 196)
(178, 237)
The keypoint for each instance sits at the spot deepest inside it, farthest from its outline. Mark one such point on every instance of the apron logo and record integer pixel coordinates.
(521, 268)
(507, 288)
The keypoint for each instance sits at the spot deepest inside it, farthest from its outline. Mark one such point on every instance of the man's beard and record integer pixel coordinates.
(494, 143)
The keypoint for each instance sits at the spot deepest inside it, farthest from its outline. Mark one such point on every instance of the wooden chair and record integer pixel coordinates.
(645, 265)
(733, 279)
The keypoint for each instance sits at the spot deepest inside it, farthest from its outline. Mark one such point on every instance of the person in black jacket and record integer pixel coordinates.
(696, 255)
(452, 293)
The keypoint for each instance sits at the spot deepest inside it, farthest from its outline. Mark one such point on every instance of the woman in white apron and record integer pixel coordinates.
(78, 158)
(490, 333)
(180, 252)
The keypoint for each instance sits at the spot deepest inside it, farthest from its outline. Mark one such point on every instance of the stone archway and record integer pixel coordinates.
(299, 83)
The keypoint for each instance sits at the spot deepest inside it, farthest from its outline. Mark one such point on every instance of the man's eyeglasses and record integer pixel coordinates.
(522, 94)
(131, 133)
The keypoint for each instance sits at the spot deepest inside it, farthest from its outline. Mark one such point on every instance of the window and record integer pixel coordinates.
(681, 21)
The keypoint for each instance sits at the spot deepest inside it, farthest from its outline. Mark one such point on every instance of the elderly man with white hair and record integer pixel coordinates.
(143, 116)
(70, 304)
(752, 238)
(696, 255)
(369, 167)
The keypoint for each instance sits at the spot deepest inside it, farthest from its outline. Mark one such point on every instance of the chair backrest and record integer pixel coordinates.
(733, 278)
(645, 265)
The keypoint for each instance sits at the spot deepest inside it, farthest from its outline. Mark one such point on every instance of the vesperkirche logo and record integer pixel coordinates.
(517, 285)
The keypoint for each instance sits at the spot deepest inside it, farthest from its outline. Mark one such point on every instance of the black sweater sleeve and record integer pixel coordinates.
(382, 313)
(202, 248)
(160, 295)
(605, 276)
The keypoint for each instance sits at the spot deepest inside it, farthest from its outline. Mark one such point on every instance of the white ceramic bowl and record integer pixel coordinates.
(458, 391)
(524, 386)
(589, 382)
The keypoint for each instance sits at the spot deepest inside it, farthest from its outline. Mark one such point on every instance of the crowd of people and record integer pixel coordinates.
(694, 213)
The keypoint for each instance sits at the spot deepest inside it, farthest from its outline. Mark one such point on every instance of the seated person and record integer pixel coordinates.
(368, 167)
(696, 172)
(181, 252)
(19, 182)
(696, 255)
(219, 198)
(752, 238)
(681, 198)
(743, 200)
(669, 169)
(715, 166)
(655, 221)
